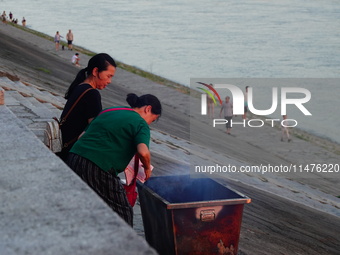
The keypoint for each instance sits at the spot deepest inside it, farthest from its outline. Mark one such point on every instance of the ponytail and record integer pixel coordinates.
(81, 76)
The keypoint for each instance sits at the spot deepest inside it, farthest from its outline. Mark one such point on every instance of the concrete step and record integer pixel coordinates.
(38, 128)
(49, 96)
(15, 95)
(41, 110)
(9, 99)
(30, 111)
(32, 106)
(15, 85)
(55, 97)
(57, 112)
(34, 91)
(45, 95)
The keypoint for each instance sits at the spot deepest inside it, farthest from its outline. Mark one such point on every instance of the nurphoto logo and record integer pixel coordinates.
(239, 103)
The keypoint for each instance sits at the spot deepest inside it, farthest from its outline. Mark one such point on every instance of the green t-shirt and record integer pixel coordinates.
(111, 140)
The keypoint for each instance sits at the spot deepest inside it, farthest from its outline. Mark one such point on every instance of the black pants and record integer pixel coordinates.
(228, 118)
(106, 185)
(64, 152)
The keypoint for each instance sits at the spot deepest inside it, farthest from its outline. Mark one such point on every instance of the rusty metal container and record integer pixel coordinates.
(189, 216)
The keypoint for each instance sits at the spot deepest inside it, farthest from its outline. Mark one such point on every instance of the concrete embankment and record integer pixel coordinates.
(46, 208)
(270, 217)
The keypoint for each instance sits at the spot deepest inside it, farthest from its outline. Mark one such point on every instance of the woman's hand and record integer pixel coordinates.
(147, 172)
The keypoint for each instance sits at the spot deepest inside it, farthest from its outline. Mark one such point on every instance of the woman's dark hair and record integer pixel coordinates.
(136, 102)
(101, 61)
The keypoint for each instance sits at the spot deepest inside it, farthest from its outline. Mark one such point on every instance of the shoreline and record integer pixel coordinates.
(130, 68)
(298, 133)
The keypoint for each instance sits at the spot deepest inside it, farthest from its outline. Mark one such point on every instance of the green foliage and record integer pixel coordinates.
(43, 70)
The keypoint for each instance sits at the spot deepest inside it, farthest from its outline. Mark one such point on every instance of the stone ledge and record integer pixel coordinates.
(46, 209)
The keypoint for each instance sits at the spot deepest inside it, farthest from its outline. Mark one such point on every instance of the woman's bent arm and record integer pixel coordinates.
(145, 157)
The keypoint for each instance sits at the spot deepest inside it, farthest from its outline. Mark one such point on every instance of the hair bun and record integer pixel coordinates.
(136, 102)
(133, 100)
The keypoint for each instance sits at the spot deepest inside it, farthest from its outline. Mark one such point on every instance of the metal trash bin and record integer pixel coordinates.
(183, 215)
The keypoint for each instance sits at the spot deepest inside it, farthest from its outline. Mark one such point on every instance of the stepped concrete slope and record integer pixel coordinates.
(31, 104)
(45, 208)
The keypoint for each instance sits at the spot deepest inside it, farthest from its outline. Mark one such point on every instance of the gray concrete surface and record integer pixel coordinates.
(47, 209)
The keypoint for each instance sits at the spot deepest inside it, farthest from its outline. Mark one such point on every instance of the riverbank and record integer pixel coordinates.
(87, 54)
(26, 56)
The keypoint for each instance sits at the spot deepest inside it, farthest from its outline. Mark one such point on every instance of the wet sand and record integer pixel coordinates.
(288, 215)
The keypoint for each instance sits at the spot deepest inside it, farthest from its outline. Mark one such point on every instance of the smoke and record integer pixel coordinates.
(184, 189)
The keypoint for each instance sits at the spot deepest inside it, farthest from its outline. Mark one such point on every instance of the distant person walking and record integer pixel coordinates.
(75, 60)
(69, 38)
(57, 40)
(10, 16)
(4, 17)
(23, 22)
(285, 129)
(227, 108)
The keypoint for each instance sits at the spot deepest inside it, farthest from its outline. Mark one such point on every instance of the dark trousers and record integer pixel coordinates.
(106, 185)
(228, 118)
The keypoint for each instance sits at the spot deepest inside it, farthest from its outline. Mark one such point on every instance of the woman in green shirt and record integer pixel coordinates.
(108, 145)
